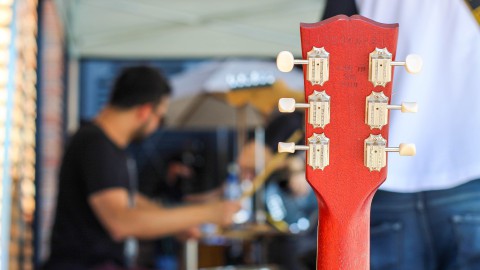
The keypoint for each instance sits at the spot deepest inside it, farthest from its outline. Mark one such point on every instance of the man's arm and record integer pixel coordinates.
(143, 202)
(151, 221)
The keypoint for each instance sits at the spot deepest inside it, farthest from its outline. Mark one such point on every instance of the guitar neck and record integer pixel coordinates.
(341, 245)
(348, 71)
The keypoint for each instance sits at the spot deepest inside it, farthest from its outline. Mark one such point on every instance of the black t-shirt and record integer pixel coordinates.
(92, 162)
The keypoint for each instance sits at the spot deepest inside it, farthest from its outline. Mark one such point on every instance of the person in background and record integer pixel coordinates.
(287, 193)
(427, 213)
(99, 213)
(278, 129)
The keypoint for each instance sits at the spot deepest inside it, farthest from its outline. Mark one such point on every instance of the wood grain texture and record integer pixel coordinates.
(346, 187)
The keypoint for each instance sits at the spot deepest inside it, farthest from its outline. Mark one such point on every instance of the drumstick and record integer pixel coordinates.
(271, 166)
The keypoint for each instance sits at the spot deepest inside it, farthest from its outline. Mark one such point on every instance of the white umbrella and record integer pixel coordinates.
(221, 76)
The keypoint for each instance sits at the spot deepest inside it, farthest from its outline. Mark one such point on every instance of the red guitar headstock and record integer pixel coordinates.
(348, 69)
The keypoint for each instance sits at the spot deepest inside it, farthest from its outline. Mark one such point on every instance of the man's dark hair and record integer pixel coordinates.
(139, 85)
(282, 127)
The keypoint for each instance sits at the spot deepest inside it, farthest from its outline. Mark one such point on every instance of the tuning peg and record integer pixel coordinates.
(404, 149)
(317, 61)
(285, 61)
(376, 151)
(290, 147)
(380, 71)
(413, 63)
(405, 107)
(377, 109)
(318, 155)
(287, 105)
(318, 105)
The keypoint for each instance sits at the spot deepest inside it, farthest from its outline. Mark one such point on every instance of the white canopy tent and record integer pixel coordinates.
(185, 28)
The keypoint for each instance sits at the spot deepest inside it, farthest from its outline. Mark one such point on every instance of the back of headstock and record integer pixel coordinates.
(348, 68)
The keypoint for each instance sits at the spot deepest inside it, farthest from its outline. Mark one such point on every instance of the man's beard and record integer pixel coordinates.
(141, 133)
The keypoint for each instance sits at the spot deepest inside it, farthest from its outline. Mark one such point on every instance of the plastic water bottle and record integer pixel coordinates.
(232, 190)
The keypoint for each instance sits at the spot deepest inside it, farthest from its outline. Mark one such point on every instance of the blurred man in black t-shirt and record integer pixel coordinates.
(98, 208)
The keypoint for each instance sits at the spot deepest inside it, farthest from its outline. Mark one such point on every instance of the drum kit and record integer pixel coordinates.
(285, 216)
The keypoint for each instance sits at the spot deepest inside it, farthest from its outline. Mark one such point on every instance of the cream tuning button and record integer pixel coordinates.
(404, 149)
(285, 61)
(405, 107)
(317, 61)
(287, 105)
(413, 63)
(290, 147)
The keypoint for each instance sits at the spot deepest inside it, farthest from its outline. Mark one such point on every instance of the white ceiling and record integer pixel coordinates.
(185, 28)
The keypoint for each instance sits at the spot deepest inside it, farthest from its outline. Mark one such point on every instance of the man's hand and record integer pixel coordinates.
(223, 211)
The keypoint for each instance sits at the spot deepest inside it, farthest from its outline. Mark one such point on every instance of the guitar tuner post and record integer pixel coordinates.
(405, 107)
(291, 147)
(404, 149)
